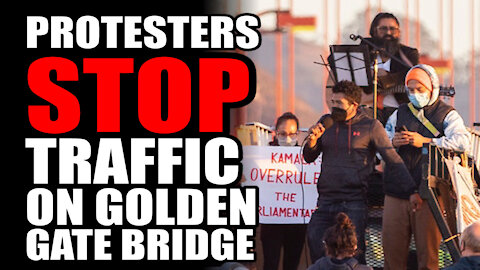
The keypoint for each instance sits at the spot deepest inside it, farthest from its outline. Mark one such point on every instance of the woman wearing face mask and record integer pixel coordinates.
(286, 130)
(290, 237)
(426, 119)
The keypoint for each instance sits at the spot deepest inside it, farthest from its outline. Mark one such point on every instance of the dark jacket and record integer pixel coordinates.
(411, 155)
(348, 159)
(466, 263)
(398, 71)
(326, 263)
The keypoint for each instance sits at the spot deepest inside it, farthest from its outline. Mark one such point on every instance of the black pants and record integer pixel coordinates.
(289, 236)
(324, 217)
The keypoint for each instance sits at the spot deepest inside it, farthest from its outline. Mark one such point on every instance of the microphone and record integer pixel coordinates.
(354, 37)
(326, 120)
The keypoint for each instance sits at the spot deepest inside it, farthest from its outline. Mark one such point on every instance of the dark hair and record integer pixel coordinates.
(341, 239)
(376, 21)
(352, 91)
(284, 117)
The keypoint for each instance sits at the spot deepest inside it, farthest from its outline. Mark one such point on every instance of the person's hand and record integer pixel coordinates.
(415, 202)
(316, 131)
(400, 139)
(382, 72)
(416, 139)
(380, 167)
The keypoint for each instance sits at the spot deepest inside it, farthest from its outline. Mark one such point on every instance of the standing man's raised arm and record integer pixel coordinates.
(397, 176)
(313, 147)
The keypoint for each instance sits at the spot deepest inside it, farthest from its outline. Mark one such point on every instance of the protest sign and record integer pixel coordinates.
(287, 184)
(468, 208)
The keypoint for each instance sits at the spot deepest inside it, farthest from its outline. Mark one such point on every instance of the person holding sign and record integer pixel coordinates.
(348, 150)
(425, 119)
(289, 236)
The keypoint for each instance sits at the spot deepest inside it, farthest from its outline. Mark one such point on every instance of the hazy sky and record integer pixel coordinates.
(429, 17)
(349, 9)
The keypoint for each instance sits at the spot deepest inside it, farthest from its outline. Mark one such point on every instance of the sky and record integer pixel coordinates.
(429, 17)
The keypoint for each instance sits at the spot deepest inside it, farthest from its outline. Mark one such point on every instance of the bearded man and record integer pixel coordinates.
(385, 33)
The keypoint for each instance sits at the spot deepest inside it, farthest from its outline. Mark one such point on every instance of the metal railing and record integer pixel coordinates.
(437, 189)
(254, 133)
(475, 153)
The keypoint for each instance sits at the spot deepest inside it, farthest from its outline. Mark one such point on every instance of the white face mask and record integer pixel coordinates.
(286, 141)
(419, 100)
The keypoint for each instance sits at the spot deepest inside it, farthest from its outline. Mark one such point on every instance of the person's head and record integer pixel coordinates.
(470, 240)
(346, 97)
(385, 31)
(340, 240)
(286, 129)
(422, 85)
(385, 25)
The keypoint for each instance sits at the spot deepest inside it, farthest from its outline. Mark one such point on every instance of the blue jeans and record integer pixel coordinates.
(324, 217)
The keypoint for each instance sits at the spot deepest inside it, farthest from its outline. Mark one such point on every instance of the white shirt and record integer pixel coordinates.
(384, 65)
(389, 100)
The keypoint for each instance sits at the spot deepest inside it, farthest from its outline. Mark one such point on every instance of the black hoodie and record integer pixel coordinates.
(326, 263)
(466, 263)
(349, 150)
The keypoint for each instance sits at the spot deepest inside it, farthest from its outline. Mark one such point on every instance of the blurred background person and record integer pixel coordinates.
(385, 33)
(470, 248)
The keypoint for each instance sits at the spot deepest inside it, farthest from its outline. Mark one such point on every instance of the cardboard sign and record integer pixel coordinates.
(287, 184)
(468, 207)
